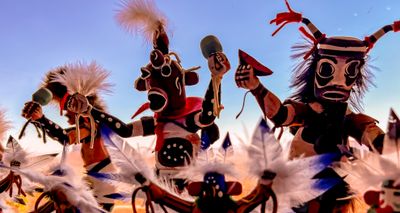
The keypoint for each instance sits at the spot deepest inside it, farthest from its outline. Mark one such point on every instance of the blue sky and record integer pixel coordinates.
(39, 35)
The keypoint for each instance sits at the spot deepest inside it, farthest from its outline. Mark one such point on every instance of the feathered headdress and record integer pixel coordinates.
(88, 79)
(369, 170)
(85, 79)
(142, 16)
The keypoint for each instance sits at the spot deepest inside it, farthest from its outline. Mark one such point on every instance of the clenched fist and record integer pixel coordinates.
(32, 110)
(245, 77)
(218, 64)
(78, 103)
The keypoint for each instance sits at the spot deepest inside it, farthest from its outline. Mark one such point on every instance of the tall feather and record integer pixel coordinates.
(129, 163)
(141, 16)
(126, 158)
(85, 79)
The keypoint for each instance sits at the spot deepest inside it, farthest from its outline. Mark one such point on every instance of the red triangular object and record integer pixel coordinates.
(259, 69)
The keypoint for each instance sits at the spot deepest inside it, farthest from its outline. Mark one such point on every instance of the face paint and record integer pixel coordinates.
(390, 197)
(163, 80)
(335, 77)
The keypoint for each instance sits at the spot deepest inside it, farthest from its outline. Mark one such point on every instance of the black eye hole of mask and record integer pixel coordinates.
(352, 69)
(166, 70)
(145, 73)
(326, 70)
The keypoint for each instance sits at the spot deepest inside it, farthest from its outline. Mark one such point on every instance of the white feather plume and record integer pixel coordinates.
(293, 184)
(14, 152)
(141, 16)
(125, 158)
(129, 162)
(77, 193)
(85, 79)
(369, 170)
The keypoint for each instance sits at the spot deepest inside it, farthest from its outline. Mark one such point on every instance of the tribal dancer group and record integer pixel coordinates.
(318, 172)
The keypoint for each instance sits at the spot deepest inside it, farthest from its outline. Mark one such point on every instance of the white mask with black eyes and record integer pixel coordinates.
(335, 77)
(390, 197)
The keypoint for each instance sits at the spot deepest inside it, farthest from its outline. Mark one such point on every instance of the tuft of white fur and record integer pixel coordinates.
(293, 184)
(141, 16)
(85, 79)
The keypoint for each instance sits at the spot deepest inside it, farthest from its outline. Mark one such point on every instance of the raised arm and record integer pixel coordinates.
(34, 112)
(272, 108)
(145, 126)
(211, 106)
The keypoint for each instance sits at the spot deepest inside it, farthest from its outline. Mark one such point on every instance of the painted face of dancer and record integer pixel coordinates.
(164, 80)
(335, 77)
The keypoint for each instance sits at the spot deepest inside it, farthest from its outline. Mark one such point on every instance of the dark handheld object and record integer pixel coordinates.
(210, 45)
(42, 96)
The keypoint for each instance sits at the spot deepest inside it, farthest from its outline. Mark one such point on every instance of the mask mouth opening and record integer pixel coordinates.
(158, 99)
(335, 95)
